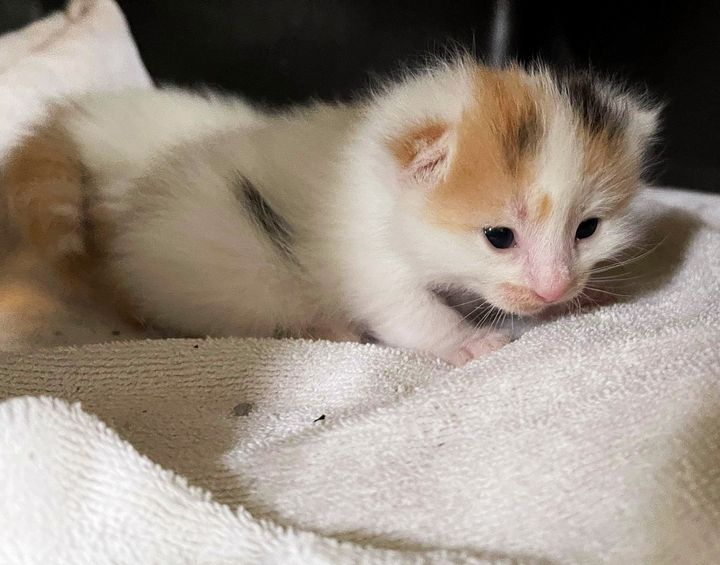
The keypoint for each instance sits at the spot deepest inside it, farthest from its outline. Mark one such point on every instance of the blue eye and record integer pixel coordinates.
(502, 238)
(586, 228)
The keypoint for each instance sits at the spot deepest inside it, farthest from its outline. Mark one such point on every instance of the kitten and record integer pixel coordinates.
(216, 218)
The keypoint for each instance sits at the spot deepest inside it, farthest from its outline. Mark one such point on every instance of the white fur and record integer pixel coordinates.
(120, 133)
(364, 254)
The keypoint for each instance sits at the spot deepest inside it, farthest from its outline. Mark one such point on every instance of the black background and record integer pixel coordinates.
(284, 51)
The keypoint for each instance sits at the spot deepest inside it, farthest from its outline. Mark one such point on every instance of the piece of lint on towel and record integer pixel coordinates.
(242, 409)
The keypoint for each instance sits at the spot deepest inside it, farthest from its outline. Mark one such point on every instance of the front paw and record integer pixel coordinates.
(476, 347)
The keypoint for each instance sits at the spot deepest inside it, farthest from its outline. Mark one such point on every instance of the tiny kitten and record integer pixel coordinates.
(216, 218)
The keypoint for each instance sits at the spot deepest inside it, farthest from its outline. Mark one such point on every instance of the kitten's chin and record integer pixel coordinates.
(525, 310)
(521, 300)
(531, 307)
(474, 307)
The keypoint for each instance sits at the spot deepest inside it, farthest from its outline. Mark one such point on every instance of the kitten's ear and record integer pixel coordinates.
(423, 154)
(644, 122)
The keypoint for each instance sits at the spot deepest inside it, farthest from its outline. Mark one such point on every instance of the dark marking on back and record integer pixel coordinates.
(270, 222)
(586, 96)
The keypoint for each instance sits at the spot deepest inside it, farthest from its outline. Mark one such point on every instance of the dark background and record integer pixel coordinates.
(284, 51)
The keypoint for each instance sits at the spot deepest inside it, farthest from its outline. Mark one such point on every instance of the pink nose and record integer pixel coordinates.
(552, 292)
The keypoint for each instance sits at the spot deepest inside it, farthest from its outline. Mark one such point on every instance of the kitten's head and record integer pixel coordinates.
(520, 193)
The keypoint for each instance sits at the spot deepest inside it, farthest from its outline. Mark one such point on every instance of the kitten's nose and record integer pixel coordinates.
(553, 291)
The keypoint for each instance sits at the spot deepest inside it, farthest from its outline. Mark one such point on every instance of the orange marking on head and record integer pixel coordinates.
(497, 136)
(544, 207)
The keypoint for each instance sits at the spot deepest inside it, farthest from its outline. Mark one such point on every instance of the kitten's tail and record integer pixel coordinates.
(41, 182)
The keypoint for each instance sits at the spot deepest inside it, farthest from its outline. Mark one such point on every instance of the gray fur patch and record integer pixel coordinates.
(591, 100)
(274, 226)
(523, 139)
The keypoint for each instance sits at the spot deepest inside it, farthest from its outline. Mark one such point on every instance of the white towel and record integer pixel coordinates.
(593, 438)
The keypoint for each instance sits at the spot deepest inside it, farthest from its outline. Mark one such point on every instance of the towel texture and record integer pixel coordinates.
(95, 500)
(593, 438)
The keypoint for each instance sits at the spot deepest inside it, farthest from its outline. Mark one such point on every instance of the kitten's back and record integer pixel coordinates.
(116, 136)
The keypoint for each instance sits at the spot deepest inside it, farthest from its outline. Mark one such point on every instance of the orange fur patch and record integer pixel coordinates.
(497, 137)
(544, 207)
(522, 298)
(25, 300)
(42, 183)
(406, 148)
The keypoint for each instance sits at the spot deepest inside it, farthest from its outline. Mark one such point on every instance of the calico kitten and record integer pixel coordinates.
(216, 218)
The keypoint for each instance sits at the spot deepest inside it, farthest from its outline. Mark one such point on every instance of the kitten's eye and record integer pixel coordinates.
(586, 228)
(502, 238)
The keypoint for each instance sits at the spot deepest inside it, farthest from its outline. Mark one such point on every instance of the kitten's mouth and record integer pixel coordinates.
(524, 301)
(476, 309)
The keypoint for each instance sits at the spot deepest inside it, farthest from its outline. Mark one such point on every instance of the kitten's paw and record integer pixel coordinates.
(477, 347)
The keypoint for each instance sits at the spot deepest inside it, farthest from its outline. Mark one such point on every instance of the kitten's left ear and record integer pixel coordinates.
(423, 154)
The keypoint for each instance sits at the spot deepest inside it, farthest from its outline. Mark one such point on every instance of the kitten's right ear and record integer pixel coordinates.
(423, 154)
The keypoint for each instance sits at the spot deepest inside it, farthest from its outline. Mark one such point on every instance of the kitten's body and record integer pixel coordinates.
(219, 219)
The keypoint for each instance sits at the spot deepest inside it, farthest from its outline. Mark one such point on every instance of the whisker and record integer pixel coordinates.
(577, 303)
(485, 317)
(473, 301)
(630, 261)
(594, 289)
(586, 297)
(472, 312)
(496, 319)
(617, 279)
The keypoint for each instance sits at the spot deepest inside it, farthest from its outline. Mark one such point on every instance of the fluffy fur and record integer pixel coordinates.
(213, 217)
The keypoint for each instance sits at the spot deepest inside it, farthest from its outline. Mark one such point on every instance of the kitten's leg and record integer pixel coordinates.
(42, 185)
(424, 323)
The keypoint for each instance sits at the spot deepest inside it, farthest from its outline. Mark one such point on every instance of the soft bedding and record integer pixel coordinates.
(593, 438)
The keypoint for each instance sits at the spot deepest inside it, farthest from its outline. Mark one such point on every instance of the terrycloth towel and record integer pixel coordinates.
(593, 438)
(94, 500)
